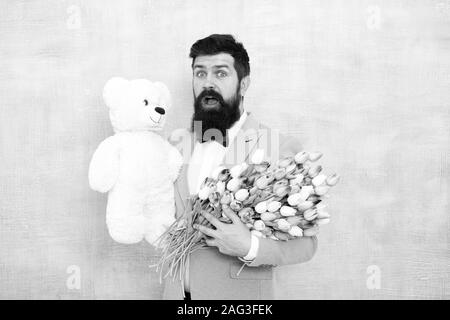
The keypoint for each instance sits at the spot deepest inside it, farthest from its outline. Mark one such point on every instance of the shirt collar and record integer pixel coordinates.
(233, 131)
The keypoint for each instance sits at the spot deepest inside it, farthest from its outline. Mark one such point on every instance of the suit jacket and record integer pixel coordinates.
(213, 275)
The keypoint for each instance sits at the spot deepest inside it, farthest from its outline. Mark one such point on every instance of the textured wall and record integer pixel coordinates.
(366, 82)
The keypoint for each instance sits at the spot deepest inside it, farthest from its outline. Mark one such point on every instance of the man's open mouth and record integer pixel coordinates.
(210, 101)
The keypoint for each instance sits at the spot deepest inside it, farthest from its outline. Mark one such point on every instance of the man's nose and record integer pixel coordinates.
(209, 82)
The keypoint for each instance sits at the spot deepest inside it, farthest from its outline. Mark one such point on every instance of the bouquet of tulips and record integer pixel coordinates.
(281, 201)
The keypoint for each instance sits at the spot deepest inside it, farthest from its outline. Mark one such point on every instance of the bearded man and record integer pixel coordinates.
(224, 133)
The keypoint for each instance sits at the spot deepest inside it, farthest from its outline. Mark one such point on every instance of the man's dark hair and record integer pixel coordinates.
(223, 43)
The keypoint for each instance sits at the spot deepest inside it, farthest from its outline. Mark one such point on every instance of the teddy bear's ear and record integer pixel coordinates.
(165, 93)
(113, 91)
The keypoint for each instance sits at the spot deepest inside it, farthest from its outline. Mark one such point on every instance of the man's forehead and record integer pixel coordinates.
(220, 59)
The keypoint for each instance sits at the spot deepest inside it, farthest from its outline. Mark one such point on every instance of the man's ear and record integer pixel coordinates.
(245, 83)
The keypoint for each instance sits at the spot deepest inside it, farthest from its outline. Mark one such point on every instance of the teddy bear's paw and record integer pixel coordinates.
(125, 234)
(153, 238)
(154, 233)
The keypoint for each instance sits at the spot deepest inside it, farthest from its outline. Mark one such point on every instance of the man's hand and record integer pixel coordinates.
(232, 239)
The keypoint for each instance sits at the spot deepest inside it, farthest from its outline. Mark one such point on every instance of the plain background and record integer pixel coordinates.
(365, 82)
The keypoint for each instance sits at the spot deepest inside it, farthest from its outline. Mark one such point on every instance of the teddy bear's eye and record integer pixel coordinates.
(146, 102)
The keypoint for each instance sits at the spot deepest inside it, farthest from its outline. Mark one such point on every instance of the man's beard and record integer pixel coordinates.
(220, 118)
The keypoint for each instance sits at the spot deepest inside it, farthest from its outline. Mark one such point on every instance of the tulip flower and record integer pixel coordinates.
(295, 231)
(287, 211)
(241, 194)
(257, 157)
(314, 156)
(301, 157)
(273, 206)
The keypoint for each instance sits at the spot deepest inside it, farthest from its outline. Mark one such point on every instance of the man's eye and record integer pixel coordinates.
(221, 74)
(200, 74)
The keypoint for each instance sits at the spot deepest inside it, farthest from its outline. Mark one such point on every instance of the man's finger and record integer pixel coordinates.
(231, 214)
(214, 221)
(208, 231)
(211, 242)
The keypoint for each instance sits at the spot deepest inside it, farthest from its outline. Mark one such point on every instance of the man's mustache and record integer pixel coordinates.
(211, 94)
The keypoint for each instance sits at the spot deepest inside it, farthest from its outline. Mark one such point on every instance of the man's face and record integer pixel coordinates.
(217, 93)
(217, 73)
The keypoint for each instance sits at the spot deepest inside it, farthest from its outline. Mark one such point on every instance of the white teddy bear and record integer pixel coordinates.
(136, 165)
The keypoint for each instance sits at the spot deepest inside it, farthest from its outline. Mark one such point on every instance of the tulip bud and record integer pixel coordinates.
(259, 225)
(305, 205)
(314, 171)
(253, 190)
(310, 214)
(271, 224)
(280, 173)
(261, 207)
(220, 187)
(304, 224)
(321, 190)
(244, 166)
(203, 194)
(235, 205)
(283, 225)
(305, 169)
(227, 197)
(241, 194)
(315, 198)
(296, 231)
(216, 172)
(273, 206)
(320, 206)
(291, 168)
(311, 231)
(282, 235)
(234, 184)
(293, 221)
(294, 199)
(214, 198)
(262, 182)
(261, 167)
(246, 213)
(322, 214)
(333, 180)
(287, 211)
(283, 163)
(268, 216)
(297, 180)
(324, 221)
(223, 175)
(314, 156)
(258, 156)
(236, 171)
(267, 232)
(305, 192)
(301, 157)
(294, 189)
(319, 179)
(281, 191)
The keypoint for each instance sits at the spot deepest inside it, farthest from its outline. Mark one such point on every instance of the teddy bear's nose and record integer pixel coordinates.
(160, 110)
